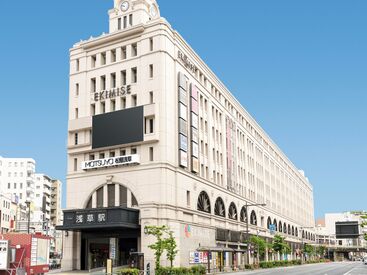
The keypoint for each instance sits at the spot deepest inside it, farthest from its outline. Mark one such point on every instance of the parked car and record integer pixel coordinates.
(365, 260)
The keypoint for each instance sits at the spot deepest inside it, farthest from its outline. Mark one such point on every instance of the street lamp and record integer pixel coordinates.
(302, 228)
(247, 229)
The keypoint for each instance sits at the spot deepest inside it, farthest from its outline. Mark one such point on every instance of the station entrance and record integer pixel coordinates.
(97, 247)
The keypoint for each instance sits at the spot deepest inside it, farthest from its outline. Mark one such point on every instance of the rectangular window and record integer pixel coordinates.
(15, 185)
(134, 49)
(103, 107)
(130, 19)
(113, 80)
(103, 58)
(122, 152)
(77, 65)
(103, 82)
(113, 56)
(93, 61)
(75, 164)
(134, 151)
(123, 53)
(134, 101)
(134, 75)
(151, 97)
(112, 154)
(77, 89)
(76, 113)
(101, 155)
(123, 78)
(76, 139)
(92, 109)
(151, 71)
(188, 198)
(151, 154)
(91, 157)
(100, 197)
(151, 44)
(125, 22)
(93, 85)
(8, 185)
(123, 103)
(113, 105)
(111, 195)
(119, 24)
(151, 125)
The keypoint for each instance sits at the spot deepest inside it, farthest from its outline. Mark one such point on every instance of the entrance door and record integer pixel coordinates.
(98, 253)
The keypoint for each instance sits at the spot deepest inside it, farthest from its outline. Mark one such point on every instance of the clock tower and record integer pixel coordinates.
(128, 13)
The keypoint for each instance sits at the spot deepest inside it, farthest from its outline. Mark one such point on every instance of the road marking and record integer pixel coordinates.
(349, 272)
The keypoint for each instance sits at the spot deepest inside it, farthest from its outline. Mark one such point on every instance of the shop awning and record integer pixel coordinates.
(100, 218)
(214, 249)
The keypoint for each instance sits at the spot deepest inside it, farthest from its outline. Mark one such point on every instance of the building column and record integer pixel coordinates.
(117, 195)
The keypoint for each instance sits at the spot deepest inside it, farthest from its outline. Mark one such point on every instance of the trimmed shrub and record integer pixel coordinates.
(198, 270)
(128, 271)
(194, 270)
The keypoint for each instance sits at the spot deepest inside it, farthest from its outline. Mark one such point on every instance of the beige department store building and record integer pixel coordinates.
(155, 138)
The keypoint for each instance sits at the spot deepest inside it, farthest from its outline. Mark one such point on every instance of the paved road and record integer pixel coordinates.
(343, 268)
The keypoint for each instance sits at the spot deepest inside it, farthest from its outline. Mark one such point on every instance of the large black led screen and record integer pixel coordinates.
(346, 230)
(118, 128)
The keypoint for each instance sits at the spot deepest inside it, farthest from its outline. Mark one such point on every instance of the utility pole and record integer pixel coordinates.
(28, 203)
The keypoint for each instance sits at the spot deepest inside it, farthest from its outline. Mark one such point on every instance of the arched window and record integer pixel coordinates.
(110, 200)
(219, 209)
(204, 202)
(269, 222)
(253, 218)
(280, 227)
(276, 224)
(232, 212)
(243, 216)
(289, 229)
(285, 228)
(292, 230)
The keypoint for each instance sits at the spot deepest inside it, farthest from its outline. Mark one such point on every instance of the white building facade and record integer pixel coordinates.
(156, 139)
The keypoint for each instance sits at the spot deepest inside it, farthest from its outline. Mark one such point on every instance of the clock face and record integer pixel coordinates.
(153, 11)
(124, 6)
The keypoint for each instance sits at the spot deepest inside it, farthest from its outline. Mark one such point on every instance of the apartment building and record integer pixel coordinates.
(155, 138)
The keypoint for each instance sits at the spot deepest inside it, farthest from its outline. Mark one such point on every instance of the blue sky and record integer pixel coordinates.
(299, 67)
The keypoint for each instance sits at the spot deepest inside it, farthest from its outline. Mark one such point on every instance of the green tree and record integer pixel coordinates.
(280, 245)
(309, 249)
(170, 245)
(159, 245)
(259, 244)
(320, 250)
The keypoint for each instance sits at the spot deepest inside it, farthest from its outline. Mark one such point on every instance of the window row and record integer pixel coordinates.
(117, 54)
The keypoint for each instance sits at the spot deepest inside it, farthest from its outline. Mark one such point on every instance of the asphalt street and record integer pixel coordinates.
(340, 268)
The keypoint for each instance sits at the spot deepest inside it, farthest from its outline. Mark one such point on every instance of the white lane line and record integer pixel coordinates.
(349, 272)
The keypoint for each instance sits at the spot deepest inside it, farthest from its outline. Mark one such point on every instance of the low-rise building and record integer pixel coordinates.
(342, 234)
